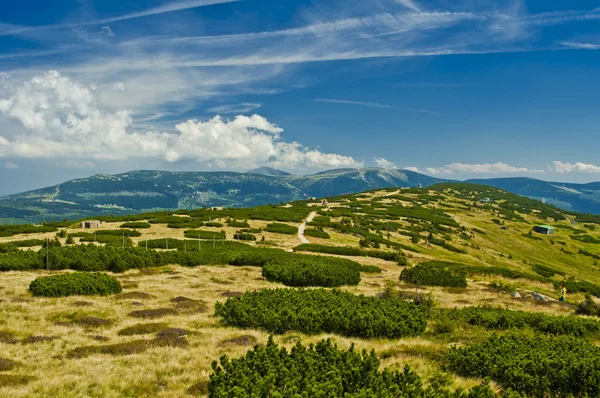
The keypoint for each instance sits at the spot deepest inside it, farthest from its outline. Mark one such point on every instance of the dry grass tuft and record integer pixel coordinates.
(7, 337)
(87, 322)
(7, 364)
(152, 314)
(38, 339)
(143, 328)
(200, 388)
(14, 380)
(181, 299)
(229, 293)
(82, 303)
(244, 340)
(133, 295)
(20, 300)
(128, 348)
(98, 337)
(173, 332)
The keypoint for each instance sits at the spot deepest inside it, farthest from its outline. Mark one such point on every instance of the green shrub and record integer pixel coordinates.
(546, 272)
(316, 233)
(315, 311)
(213, 224)
(537, 365)
(135, 225)
(503, 319)
(204, 235)
(312, 271)
(433, 274)
(396, 256)
(75, 284)
(244, 237)
(321, 370)
(588, 307)
(237, 224)
(280, 228)
(575, 286)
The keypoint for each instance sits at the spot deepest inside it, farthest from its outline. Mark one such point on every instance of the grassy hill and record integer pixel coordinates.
(441, 252)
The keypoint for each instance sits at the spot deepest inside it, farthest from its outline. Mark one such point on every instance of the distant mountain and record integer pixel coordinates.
(268, 171)
(140, 191)
(584, 198)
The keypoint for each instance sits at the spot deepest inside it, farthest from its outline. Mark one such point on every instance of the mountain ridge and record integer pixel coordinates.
(152, 190)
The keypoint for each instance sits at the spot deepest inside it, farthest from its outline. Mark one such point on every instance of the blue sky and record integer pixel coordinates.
(456, 89)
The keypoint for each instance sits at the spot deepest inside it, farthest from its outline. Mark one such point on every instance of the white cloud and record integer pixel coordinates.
(487, 168)
(107, 31)
(120, 86)
(412, 168)
(384, 163)
(578, 167)
(10, 165)
(62, 118)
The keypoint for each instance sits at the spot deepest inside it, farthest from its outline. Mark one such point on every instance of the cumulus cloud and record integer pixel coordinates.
(487, 168)
(62, 118)
(578, 167)
(412, 168)
(10, 165)
(384, 163)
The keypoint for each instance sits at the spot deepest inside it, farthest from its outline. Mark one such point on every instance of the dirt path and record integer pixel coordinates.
(302, 227)
(571, 220)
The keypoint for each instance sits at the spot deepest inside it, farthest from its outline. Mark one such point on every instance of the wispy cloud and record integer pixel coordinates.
(162, 9)
(346, 102)
(244, 107)
(580, 45)
(485, 168)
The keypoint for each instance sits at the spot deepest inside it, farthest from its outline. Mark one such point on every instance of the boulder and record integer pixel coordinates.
(529, 296)
(515, 295)
(539, 297)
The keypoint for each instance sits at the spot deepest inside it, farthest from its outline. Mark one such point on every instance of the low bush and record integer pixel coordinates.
(280, 228)
(135, 225)
(205, 235)
(396, 256)
(321, 370)
(75, 284)
(533, 364)
(503, 319)
(244, 237)
(433, 274)
(237, 224)
(312, 271)
(546, 272)
(213, 224)
(316, 233)
(315, 311)
(143, 328)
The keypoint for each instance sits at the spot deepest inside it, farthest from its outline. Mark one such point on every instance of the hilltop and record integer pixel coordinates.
(446, 257)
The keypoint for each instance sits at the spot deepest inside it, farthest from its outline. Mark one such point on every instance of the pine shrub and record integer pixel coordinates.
(75, 284)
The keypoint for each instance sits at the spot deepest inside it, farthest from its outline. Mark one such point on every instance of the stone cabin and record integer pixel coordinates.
(90, 224)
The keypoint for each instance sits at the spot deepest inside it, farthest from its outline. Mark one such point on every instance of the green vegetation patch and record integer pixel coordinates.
(315, 311)
(205, 235)
(244, 236)
(312, 271)
(143, 328)
(503, 319)
(135, 225)
(237, 224)
(433, 274)
(320, 370)
(280, 228)
(396, 256)
(537, 365)
(75, 284)
(316, 233)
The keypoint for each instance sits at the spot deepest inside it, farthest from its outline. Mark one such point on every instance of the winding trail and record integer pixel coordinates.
(302, 227)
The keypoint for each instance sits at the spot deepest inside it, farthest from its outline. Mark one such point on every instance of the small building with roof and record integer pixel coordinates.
(544, 229)
(90, 224)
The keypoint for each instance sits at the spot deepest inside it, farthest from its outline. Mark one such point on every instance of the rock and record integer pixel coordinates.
(539, 297)
(529, 296)
(515, 295)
